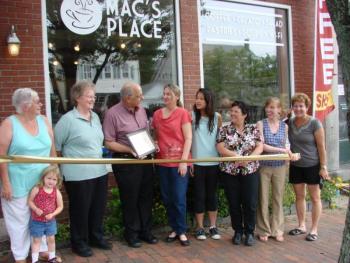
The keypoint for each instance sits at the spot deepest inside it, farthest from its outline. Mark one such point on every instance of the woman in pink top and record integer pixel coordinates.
(172, 125)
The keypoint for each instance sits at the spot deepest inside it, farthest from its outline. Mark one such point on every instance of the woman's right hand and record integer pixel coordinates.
(293, 156)
(182, 169)
(6, 191)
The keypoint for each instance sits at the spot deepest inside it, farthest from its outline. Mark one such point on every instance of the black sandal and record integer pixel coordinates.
(170, 238)
(311, 237)
(296, 232)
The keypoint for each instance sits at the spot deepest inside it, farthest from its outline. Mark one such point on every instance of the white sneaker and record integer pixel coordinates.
(200, 234)
(214, 233)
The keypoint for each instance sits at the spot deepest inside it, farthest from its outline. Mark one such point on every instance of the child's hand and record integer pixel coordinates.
(49, 216)
(38, 211)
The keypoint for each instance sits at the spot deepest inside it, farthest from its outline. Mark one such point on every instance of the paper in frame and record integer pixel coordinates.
(141, 142)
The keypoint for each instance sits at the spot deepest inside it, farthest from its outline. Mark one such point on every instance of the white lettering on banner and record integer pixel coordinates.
(325, 21)
(327, 48)
(320, 3)
(327, 73)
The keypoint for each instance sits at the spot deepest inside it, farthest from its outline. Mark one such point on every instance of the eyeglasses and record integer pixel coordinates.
(90, 97)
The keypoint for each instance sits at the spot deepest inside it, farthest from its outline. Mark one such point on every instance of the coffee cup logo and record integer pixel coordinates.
(81, 16)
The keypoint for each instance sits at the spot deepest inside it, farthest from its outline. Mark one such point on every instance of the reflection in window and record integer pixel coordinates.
(110, 57)
(107, 71)
(132, 73)
(116, 72)
(245, 54)
(125, 70)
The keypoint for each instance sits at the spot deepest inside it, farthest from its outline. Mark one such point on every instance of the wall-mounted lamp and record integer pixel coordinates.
(13, 43)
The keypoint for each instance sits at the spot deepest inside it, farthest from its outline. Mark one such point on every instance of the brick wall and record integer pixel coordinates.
(27, 69)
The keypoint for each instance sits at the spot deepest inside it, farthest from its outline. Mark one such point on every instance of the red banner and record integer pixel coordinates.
(324, 62)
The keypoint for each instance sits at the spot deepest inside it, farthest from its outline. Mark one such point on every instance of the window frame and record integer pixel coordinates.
(257, 3)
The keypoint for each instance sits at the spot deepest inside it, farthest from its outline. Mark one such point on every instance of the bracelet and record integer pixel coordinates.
(324, 167)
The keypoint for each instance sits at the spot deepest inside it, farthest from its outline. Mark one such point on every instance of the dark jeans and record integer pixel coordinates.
(135, 183)
(206, 180)
(173, 188)
(242, 195)
(87, 203)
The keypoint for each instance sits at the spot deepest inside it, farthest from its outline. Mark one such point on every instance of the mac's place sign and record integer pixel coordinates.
(84, 17)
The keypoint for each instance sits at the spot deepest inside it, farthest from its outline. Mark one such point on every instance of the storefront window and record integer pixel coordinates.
(110, 42)
(245, 54)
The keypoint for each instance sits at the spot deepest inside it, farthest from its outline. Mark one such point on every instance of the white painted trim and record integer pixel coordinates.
(290, 37)
(178, 48)
(45, 62)
(291, 51)
(201, 68)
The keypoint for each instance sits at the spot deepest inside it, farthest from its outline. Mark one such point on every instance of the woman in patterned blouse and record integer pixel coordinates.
(240, 178)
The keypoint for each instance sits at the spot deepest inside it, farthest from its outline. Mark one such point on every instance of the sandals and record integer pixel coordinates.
(44, 257)
(171, 237)
(296, 232)
(311, 237)
(263, 238)
(279, 238)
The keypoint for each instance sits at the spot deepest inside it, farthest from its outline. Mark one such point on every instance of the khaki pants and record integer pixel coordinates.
(274, 225)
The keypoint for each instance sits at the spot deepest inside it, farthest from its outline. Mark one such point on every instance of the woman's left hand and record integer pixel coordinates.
(182, 169)
(324, 174)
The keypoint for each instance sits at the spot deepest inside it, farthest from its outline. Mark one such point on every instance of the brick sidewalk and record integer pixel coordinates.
(294, 249)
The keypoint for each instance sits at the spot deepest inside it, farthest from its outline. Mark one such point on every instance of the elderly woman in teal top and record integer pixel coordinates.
(25, 133)
(79, 134)
(205, 125)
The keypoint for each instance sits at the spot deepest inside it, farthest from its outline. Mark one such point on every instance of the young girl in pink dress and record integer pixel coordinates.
(45, 201)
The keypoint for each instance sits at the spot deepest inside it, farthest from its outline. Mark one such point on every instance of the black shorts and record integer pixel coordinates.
(306, 175)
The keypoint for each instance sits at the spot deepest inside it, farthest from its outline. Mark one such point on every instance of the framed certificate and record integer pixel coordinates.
(141, 142)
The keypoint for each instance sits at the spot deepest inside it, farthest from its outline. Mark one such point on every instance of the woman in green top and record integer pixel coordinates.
(79, 134)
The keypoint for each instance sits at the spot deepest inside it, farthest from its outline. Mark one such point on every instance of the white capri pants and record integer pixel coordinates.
(16, 215)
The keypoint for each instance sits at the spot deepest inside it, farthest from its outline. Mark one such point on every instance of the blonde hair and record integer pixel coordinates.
(303, 98)
(50, 169)
(177, 92)
(275, 100)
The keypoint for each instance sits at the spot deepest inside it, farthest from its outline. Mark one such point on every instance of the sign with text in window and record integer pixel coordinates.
(139, 18)
(231, 24)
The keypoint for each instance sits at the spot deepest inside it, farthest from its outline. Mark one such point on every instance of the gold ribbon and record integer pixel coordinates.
(64, 160)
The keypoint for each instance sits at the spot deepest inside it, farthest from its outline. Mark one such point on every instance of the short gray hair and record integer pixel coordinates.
(79, 88)
(127, 89)
(23, 96)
